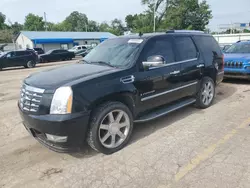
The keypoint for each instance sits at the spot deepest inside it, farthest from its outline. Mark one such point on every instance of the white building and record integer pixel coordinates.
(48, 40)
(224, 39)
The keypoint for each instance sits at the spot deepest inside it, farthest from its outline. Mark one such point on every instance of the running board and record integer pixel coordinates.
(164, 110)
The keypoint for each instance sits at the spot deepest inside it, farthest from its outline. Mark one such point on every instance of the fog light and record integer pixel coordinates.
(55, 138)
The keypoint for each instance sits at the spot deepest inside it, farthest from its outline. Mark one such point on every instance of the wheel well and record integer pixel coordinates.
(125, 98)
(212, 74)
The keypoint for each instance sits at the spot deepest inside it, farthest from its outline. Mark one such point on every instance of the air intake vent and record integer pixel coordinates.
(128, 79)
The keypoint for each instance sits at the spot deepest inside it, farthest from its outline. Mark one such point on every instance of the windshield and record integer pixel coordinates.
(239, 48)
(118, 52)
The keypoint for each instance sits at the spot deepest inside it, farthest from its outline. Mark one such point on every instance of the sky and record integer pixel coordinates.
(224, 11)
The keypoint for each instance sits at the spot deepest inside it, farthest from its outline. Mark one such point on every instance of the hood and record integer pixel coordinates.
(54, 78)
(239, 57)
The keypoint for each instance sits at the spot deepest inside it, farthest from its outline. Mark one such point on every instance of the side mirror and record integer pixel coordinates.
(153, 62)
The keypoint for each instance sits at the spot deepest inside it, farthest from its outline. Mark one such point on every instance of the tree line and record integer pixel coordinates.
(169, 14)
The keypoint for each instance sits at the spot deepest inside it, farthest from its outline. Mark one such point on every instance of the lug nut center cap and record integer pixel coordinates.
(113, 128)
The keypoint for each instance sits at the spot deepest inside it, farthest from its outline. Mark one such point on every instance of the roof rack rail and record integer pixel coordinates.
(184, 31)
(243, 41)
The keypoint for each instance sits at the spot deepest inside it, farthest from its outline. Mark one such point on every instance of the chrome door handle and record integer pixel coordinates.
(200, 66)
(175, 72)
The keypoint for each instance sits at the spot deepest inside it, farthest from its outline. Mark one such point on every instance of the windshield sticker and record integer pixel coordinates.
(137, 41)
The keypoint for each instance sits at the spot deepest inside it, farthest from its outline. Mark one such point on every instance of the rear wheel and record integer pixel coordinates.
(30, 64)
(206, 93)
(110, 128)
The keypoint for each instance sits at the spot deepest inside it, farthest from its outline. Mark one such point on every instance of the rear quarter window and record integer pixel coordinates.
(208, 46)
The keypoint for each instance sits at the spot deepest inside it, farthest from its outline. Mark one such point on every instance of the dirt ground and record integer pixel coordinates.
(188, 148)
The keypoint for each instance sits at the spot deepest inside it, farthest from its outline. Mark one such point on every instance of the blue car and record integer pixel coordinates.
(237, 61)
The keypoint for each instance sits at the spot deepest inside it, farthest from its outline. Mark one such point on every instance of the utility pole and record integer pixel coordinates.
(45, 20)
(154, 13)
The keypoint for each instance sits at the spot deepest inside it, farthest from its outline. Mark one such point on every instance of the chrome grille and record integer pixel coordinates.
(30, 98)
(234, 64)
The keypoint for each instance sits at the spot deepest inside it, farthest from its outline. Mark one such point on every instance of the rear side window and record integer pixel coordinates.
(186, 48)
(160, 46)
(209, 47)
(20, 53)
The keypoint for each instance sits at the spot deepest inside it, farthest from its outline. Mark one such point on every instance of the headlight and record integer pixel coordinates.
(62, 101)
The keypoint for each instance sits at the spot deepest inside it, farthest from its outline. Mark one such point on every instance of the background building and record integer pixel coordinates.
(56, 40)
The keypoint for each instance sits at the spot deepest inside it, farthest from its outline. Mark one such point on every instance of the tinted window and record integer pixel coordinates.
(209, 47)
(21, 53)
(160, 46)
(55, 51)
(186, 48)
(79, 48)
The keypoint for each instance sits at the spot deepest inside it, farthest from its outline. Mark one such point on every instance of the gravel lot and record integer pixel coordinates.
(188, 148)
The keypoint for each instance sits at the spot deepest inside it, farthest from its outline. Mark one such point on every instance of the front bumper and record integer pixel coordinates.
(74, 126)
(243, 73)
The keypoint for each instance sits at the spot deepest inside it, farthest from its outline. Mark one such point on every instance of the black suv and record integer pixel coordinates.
(123, 80)
(39, 50)
(25, 58)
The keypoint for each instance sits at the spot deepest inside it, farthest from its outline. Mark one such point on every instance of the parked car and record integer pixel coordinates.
(86, 52)
(39, 50)
(122, 81)
(56, 55)
(77, 49)
(25, 58)
(237, 60)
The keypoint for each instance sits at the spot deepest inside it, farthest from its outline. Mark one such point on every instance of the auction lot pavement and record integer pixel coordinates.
(188, 148)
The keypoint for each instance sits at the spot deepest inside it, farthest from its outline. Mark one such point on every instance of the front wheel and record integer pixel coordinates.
(110, 128)
(206, 93)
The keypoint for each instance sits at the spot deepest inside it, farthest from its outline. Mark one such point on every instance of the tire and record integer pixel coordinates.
(206, 94)
(109, 132)
(30, 64)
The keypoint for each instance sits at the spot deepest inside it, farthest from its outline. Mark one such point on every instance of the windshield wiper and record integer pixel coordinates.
(104, 63)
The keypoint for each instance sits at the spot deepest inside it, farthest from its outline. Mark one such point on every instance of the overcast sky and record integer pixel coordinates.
(224, 11)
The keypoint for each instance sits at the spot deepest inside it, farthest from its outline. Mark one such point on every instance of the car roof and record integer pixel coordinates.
(169, 33)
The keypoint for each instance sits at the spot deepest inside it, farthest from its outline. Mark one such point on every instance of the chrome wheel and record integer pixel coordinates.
(207, 94)
(114, 129)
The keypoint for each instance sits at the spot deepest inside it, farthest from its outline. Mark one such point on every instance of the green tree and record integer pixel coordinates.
(160, 7)
(140, 22)
(104, 27)
(188, 14)
(34, 23)
(6, 36)
(117, 27)
(93, 26)
(16, 28)
(2, 20)
(76, 21)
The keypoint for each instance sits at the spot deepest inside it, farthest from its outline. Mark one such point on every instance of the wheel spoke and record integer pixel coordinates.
(121, 135)
(111, 117)
(105, 137)
(124, 124)
(119, 117)
(105, 127)
(204, 99)
(112, 141)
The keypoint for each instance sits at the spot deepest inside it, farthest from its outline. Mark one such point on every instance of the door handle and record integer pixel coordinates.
(200, 66)
(175, 72)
